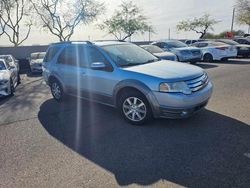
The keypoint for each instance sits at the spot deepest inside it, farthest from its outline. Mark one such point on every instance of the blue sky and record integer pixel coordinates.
(162, 14)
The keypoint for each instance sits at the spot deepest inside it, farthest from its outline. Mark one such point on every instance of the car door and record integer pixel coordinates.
(96, 84)
(13, 72)
(67, 67)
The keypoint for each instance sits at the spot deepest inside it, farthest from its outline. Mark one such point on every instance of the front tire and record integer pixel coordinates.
(134, 108)
(57, 90)
(208, 58)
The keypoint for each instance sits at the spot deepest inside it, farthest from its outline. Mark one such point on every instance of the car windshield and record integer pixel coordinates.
(152, 49)
(176, 44)
(2, 65)
(129, 55)
(6, 58)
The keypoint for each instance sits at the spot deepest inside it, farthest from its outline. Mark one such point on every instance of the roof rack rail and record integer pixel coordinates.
(71, 42)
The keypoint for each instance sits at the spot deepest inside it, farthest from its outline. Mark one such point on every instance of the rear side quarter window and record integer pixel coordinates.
(52, 51)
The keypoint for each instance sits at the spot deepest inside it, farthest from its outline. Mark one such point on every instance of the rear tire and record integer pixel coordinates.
(57, 90)
(134, 107)
(224, 59)
(208, 58)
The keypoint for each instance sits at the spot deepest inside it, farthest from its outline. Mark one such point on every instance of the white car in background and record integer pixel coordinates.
(158, 52)
(36, 60)
(8, 78)
(216, 50)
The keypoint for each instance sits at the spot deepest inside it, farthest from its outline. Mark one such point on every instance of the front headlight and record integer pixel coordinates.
(176, 87)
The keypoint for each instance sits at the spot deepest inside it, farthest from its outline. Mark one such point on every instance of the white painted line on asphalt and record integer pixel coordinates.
(247, 155)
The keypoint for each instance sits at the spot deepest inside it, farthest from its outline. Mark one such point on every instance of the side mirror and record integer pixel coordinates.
(98, 66)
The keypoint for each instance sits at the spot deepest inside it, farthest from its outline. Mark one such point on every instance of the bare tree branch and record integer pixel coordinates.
(61, 18)
(12, 13)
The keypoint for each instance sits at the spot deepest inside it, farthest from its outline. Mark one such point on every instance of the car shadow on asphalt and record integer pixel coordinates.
(206, 150)
(206, 65)
(240, 61)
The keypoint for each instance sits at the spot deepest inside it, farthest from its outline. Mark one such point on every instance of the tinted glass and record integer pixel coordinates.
(2, 65)
(51, 53)
(78, 55)
(202, 45)
(69, 56)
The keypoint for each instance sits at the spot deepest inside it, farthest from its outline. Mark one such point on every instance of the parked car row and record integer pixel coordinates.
(9, 75)
(141, 82)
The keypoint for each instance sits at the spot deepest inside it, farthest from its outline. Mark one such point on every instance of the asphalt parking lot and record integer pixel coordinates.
(81, 144)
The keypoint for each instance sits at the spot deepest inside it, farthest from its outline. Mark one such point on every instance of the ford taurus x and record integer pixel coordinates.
(125, 76)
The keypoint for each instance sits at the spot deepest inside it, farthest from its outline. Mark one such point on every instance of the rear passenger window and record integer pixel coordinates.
(81, 56)
(202, 45)
(51, 53)
(68, 56)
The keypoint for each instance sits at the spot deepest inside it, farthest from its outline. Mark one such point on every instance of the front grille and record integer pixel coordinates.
(198, 83)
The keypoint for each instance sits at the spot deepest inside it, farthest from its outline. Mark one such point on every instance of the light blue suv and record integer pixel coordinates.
(125, 76)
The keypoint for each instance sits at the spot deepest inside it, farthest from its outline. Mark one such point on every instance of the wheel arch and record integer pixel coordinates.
(138, 86)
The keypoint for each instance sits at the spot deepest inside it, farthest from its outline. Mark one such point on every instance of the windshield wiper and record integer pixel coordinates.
(134, 64)
(131, 64)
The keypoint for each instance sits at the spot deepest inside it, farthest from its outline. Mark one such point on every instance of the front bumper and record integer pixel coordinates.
(178, 105)
(4, 90)
(178, 113)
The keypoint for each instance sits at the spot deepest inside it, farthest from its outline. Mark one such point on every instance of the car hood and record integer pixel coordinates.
(168, 70)
(4, 75)
(164, 54)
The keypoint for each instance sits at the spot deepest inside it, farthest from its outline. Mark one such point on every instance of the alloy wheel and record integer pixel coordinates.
(134, 109)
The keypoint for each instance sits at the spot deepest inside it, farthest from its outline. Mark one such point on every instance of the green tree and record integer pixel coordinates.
(126, 21)
(243, 12)
(200, 25)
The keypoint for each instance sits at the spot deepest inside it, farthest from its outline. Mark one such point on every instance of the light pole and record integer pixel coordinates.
(232, 25)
